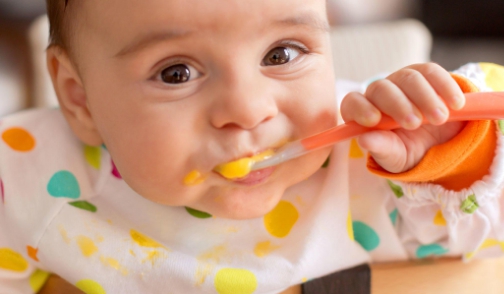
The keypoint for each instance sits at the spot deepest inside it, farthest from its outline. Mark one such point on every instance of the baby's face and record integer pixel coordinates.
(182, 85)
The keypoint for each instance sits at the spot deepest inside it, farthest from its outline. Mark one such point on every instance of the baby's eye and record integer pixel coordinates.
(280, 55)
(178, 74)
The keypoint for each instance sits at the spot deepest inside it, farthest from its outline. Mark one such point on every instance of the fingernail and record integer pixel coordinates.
(456, 102)
(371, 117)
(411, 121)
(438, 115)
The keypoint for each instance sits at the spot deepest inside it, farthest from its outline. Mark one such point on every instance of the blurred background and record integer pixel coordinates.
(462, 31)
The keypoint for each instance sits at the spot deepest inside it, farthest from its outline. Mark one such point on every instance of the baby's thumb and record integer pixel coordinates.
(386, 148)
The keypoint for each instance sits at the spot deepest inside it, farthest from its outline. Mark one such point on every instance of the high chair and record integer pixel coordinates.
(359, 52)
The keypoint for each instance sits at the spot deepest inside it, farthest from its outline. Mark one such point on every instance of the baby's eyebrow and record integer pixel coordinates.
(308, 19)
(148, 39)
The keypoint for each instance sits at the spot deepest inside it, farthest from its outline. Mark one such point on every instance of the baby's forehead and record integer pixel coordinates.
(194, 12)
(116, 25)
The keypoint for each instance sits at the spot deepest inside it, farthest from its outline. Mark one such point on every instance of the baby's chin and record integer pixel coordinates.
(248, 203)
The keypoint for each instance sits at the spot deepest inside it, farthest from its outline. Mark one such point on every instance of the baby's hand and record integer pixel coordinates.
(407, 95)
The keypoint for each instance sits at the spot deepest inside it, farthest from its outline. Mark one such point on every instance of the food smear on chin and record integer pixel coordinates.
(242, 167)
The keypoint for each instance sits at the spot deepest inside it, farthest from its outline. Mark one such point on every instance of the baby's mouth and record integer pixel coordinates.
(241, 168)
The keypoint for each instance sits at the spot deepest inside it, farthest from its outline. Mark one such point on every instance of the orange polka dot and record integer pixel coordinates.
(19, 139)
(32, 252)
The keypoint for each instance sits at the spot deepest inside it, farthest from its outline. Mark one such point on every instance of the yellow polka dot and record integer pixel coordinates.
(235, 281)
(86, 245)
(93, 156)
(494, 75)
(281, 219)
(439, 219)
(90, 287)
(19, 139)
(264, 248)
(12, 261)
(355, 150)
(38, 279)
(350, 226)
(488, 243)
(143, 240)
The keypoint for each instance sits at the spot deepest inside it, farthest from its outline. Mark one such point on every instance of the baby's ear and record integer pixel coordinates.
(72, 96)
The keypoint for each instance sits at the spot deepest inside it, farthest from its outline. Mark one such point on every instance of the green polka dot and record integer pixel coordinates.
(365, 236)
(326, 163)
(93, 156)
(235, 281)
(84, 205)
(470, 204)
(90, 287)
(501, 126)
(398, 191)
(393, 216)
(63, 184)
(430, 250)
(197, 213)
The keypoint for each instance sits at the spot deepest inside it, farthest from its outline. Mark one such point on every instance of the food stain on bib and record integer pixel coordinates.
(64, 234)
(144, 241)
(264, 248)
(113, 263)
(154, 256)
(241, 167)
(207, 261)
(86, 245)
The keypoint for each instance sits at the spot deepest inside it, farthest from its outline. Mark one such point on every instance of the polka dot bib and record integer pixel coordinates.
(73, 215)
(65, 209)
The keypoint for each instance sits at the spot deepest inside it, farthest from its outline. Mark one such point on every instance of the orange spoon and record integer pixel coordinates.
(479, 106)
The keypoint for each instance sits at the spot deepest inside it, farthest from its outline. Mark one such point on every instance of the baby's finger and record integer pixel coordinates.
(391, 100)
(386, 148)
(421, 93)
(355, 107)
(443, 84)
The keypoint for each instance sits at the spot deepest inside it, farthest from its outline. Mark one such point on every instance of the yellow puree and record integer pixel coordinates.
(194, 178)
(231, 170)
(241, 167)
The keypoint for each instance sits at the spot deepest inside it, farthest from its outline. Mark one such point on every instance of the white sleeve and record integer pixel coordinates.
(434, 221)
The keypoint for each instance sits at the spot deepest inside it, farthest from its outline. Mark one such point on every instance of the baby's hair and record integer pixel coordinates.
(59, 23)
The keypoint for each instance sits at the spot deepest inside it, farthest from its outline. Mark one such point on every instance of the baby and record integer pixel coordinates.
(115, 191)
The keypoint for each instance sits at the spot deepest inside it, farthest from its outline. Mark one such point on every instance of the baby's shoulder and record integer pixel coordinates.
(42, 167)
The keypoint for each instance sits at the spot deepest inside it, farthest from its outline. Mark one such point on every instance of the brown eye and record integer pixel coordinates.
(176, 74)
(277, 56)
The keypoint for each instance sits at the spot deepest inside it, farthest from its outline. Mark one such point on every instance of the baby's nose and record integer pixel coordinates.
(243, 107)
